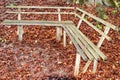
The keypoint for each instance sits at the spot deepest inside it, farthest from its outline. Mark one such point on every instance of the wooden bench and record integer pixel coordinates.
(19, 12)
(84, 47)
(87, 46)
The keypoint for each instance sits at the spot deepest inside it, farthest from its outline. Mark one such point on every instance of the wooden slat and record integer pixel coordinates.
(92, 45)
(95, 28)
(76, 44)
(98, 30)
(36, 22)
(29, 21)
(75, 36)
(83, 44)
(41, 7)
(98, 19)
(12, 12)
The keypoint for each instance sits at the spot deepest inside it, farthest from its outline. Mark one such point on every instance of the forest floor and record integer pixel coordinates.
(40, 57)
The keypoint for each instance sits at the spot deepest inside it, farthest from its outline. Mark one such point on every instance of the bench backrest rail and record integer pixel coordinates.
(58, 12)
(40, 7)
(40, 12)
(98, 19)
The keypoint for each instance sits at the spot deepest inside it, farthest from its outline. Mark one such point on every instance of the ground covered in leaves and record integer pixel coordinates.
(40, 57)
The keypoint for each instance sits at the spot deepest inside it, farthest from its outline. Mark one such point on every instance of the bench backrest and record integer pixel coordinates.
(107, 26)
(57, 10)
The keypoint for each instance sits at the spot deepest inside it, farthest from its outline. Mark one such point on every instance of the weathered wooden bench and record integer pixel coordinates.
(19, 12)
(88, 46)
(84, 47)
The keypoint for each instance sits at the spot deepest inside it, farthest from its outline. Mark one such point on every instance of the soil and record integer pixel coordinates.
(40, 57)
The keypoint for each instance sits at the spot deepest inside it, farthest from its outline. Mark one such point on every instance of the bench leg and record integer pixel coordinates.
(86, 66)
(58, 33)
(64, 39)
(61, 32)
(77, 64)
(95, 66)
(70, 42)
(20, 32)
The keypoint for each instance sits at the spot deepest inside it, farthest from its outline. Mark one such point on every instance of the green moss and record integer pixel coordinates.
(101, 12)
(81, 2)
(119, 30)
(99, 26)
(105, 16)
(114, 11)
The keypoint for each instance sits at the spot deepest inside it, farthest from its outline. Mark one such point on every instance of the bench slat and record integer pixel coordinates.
(91, 44)
(36, 22)
(73, 34)
(85, 44)
(76, 45)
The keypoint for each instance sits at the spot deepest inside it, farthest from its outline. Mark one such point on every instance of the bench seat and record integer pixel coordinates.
(36, 22)
(83, 44)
